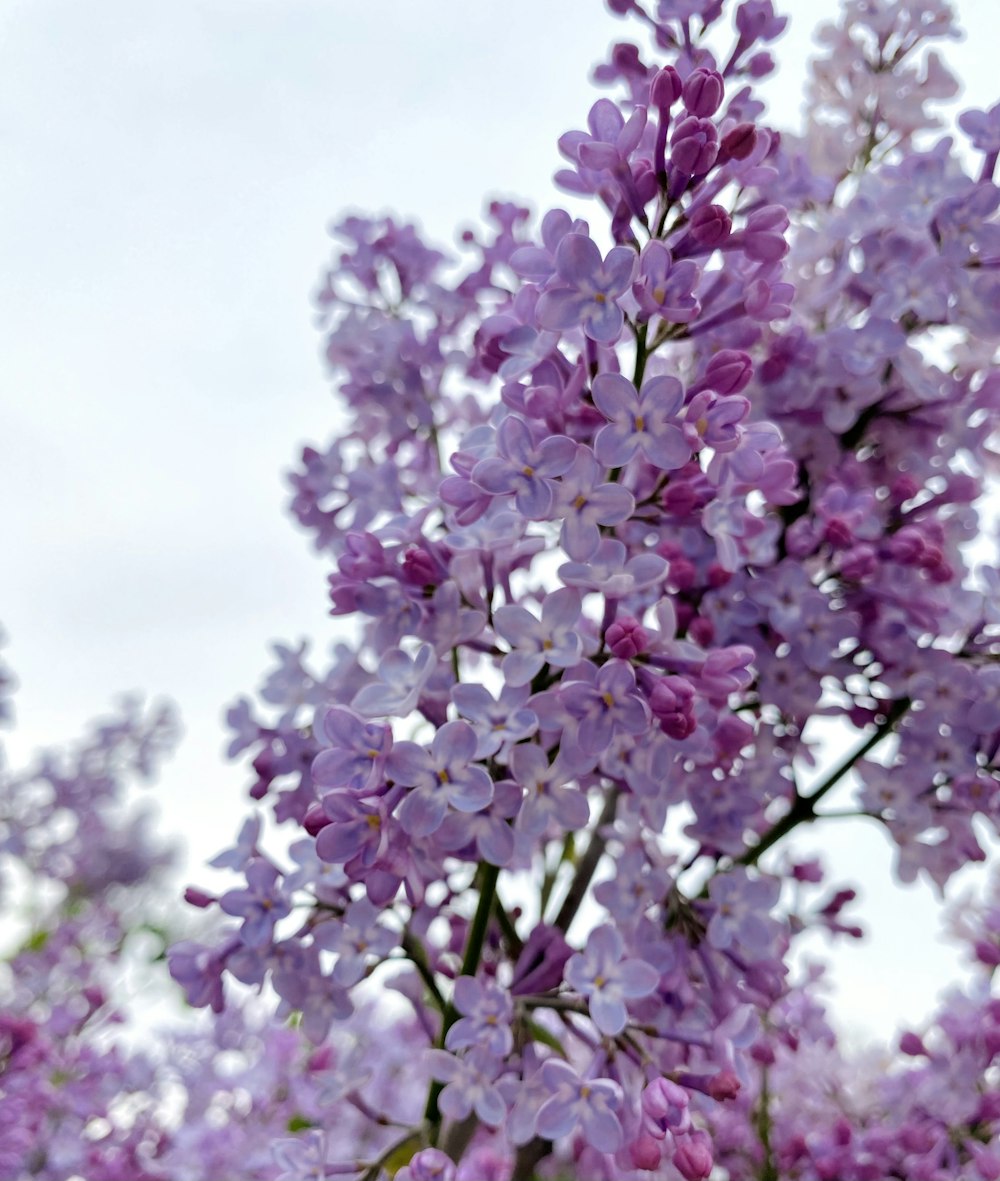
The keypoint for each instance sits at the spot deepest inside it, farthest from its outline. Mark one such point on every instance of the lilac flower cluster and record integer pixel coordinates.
(624, 521)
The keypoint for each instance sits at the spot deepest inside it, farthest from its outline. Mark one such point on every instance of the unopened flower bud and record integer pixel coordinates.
(703, 92)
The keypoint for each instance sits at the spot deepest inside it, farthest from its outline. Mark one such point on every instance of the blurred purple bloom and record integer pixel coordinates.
(588, 1104)
(401, 679)
(487, 1012)
(498, 723)
(354, 938)
(608, 572)
(260, 905)
(470, 1084)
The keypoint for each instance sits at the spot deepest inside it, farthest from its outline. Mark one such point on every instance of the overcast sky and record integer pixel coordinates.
(169, 173)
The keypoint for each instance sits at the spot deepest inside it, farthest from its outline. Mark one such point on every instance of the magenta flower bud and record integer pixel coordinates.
(694, 146)
(807, 871)
(703, 92)
(738, 142)
(645, 1153)
(195, 897)
(701, 630)
(626, 638)
(710, 225)
(693, 1156)
(666, 88)
(665, 1109)
(420, 569)
(911, 1044)
(987, 953)
(725, 1085)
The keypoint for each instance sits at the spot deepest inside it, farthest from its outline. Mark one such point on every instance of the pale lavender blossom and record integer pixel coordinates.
(592, 1105)
(551, 640)
(585, 503)
(589, 290)
(445, 774)
(646, 422)
(401, 679)
(470, 1080)
(262, 904)
(498, 723)
(609, 572)
(607, 980)
(524, 468)
(355, 938)
(742, 913)
(487, 1011)
(356, 757)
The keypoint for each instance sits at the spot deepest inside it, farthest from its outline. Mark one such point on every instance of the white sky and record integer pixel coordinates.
(169, 171)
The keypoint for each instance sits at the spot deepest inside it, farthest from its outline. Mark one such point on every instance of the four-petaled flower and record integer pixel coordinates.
(608, 981)
(590, 289)
(443, 775)
(647, 421)
(589, 1104)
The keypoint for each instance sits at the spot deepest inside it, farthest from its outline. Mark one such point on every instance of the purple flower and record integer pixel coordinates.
(665, 288)
(551, 640)
(359, 751)
(401, 679)
(498, 723)
(486, 835)
(743, 913)
(601, 974)
(608, 572)
(589, 1104)
(487, 1012)
(470, 1084)
(605, 706)
(354, 938)
(584, 504)
(648, 421)
(548, 798)
(524, 468)
(260, 905)
(302, 1158)
(446, 774)
(590, 290)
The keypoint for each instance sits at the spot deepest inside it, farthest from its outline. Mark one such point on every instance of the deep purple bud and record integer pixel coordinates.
(710, 225)
(195, 897)
(738, 143)
(728, 372)
(626, 638)
(540, 965)
(703, 92)
(694, 146)
(693, 1156)
(666, 88)
(911, 1044)
(315, 819)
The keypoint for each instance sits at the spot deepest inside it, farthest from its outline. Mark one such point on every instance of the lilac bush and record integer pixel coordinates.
(648, 534)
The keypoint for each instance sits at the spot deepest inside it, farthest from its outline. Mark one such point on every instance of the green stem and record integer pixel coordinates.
(588, 863)
(803, 811)
(415, 953)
